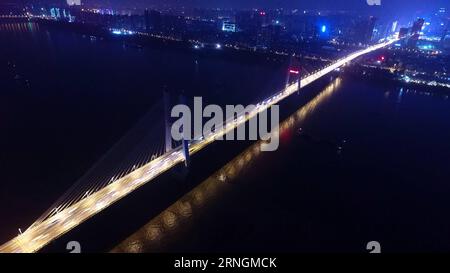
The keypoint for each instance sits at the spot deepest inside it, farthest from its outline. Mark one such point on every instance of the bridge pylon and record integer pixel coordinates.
(185, 141)
(294, 70)
(168, 135)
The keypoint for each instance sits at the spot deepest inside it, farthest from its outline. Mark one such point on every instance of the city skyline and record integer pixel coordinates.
(392, 6)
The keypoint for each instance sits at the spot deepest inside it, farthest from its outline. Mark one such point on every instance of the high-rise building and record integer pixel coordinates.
(369, 30)
(147, 20)
(415, 32)
(250, 21)
(363, 30)
(403, 32)
(394, 26)
(417, 26)
(153, 21)
(444, 35)
(269, 36)
(74, 2)
(445, 42)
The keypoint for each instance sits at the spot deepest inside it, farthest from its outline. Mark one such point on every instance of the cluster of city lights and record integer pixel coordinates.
(408, 79)
(116, 31)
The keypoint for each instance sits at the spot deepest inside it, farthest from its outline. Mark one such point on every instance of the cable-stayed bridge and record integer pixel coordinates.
(123, 170)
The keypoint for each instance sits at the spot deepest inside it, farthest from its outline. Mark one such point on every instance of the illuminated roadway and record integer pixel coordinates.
(39, 235)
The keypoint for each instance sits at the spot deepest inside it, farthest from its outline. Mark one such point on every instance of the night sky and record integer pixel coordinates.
(359, 5)
(389, 9)
(390, 5)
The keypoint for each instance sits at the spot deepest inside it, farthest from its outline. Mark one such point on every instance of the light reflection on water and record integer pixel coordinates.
(179, 213)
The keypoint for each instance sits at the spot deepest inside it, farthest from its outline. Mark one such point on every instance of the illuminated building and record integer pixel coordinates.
(415, 32)
(228, 27)
(74, 2)
(363, 30)
(417, 26)
(403, 32)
